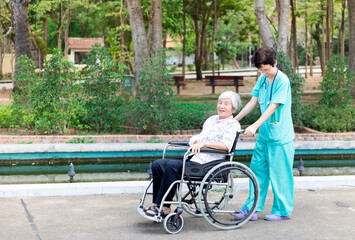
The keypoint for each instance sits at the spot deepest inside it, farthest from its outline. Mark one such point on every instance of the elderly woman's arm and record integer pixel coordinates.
(195, 148)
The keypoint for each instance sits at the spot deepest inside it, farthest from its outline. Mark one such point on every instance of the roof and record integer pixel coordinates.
(84, 43)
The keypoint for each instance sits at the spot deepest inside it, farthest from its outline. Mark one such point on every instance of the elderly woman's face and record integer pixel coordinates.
(224, 108)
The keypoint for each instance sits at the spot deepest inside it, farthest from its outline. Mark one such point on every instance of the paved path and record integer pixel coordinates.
(318, 214)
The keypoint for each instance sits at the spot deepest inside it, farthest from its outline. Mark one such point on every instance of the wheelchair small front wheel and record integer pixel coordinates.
(173, 223)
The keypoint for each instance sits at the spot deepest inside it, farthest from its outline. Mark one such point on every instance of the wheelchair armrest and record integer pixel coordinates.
(212, 150)
(180, 143)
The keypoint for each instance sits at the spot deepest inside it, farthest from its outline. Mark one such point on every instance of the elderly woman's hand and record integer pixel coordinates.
(195, 148)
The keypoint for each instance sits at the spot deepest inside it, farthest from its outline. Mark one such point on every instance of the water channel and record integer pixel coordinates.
(48, 167)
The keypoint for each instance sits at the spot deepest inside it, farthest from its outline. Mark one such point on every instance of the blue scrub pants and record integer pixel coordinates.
(273, 163)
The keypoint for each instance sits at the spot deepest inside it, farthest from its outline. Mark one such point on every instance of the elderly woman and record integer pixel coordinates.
(218, 132)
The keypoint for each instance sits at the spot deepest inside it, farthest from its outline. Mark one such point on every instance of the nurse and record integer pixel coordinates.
(273, 155)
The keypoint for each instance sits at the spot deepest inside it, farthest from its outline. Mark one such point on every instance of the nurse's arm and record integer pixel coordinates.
(247, 109)
(251, 130)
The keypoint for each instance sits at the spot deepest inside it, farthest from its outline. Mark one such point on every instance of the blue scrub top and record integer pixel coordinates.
(278, 128)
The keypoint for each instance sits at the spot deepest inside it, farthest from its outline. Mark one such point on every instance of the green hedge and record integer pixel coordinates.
(329, 119)
(193, 115)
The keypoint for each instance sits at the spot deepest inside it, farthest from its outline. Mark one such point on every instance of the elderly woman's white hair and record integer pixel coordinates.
(234, 97)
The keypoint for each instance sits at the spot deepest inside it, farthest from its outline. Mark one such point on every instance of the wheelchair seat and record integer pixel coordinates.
(198, 172)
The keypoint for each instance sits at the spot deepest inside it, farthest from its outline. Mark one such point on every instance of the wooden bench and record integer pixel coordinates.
(179, 81)
(224, 81)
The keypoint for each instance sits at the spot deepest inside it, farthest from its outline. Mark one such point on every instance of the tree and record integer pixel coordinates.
(264, 27)
(200, 13)
(351, 60)
(22, 32)
(140, 38)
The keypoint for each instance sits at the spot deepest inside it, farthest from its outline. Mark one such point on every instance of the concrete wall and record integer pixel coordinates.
(6, 67)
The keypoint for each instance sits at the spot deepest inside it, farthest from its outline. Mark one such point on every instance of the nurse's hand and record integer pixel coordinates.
(250, 131)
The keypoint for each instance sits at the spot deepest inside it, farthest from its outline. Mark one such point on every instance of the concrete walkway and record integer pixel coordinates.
(129, 187)
(318, 214)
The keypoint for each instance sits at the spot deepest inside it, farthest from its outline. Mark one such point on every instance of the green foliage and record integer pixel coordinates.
(102, 82)
(153, 108)
(49, 104)
(27, 81)
(82, 140)
(6, 120)
(329, 119)
(56, 99)
(297, 83)
(252, 117)
(190, 67)
(193, 115)
(337, 83)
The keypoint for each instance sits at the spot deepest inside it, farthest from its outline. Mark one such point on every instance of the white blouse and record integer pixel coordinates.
(215, 130)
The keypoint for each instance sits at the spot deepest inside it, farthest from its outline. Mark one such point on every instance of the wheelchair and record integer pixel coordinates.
(213, 191)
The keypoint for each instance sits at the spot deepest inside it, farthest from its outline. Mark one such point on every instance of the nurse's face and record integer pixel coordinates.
(268, 70)
(224, 108)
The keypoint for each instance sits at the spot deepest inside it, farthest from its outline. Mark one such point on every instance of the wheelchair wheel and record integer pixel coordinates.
(173, 223)
(228, 186)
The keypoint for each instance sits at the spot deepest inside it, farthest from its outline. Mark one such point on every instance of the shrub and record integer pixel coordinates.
(297, 83)
(153, 108)
(337, 83)
(55, 100)
(27, 81)
(252, 117)
(102, 82)
(190, 67)
(6, 120)
(193, 115)
(329, 119)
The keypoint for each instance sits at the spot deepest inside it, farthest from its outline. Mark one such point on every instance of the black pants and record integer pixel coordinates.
(165, 172)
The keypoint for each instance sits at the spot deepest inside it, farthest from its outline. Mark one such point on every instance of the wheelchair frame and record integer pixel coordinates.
(219, 175)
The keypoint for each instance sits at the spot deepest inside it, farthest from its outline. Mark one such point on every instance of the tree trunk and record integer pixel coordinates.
(60, 28)
(139, 37)
(66, 32)
(311, 58)
(294, 37)
(122, 22)
(224, 56)
(1, 58)
(22, 32)
(235, 63)
(323, 44)
(157, 34)
(319, 42)
(214, 32)
(351, 12)
(283, 26)
(45, 31)
(329, 29)
(184, 40)
(197, 50)
(306, 42)
(342, 30)
(263, 24)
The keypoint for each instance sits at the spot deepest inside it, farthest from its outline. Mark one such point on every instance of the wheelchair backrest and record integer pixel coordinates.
(235, 142)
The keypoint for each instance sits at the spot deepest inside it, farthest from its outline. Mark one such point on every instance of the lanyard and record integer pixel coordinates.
(272, 86)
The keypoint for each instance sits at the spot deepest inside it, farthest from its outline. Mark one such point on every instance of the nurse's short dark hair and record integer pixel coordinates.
(264, 55)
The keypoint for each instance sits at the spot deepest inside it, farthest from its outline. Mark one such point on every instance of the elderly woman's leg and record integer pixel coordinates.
(165, 172)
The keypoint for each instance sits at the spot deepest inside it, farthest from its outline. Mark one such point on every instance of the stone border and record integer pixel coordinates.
(44, 139)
